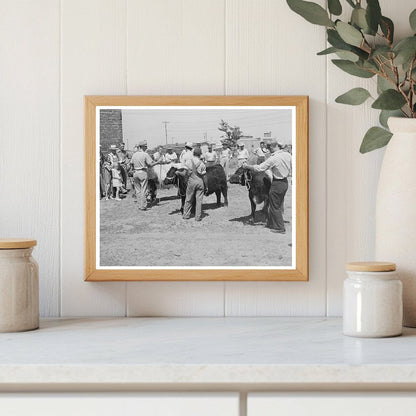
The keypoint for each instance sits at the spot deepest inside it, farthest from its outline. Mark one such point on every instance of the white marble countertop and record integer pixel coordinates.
(191, 352)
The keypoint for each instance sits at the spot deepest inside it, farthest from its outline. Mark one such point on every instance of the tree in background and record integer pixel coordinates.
(232, 134)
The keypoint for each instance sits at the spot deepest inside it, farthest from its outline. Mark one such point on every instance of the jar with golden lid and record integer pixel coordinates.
(372, 300)
(19, 286)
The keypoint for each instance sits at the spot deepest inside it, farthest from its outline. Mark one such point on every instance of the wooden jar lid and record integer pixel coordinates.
(11, 243)
(371, 266)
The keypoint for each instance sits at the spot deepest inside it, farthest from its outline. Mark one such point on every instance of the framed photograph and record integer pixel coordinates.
(196, 188)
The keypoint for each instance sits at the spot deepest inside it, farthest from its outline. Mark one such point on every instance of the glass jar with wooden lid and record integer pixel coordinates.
(19, 286)
(372, 300)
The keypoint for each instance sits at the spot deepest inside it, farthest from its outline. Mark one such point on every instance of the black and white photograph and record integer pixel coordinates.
(195, 187)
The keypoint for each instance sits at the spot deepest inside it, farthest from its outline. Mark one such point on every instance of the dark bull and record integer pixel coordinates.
(215, 181)
(258, 185)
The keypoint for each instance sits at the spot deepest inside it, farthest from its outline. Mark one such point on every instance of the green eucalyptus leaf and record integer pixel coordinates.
(335, 40)
(375, 138)
(371, 64)
(389, 100)
(387, 27)
(349, 34)
(328, 51)
(334, 7)
(412, 20)
(383, 84)
(381, 50)
(386, 114)
(405, 51)
(356, 96)
(348, 56)
(352, 68)
(373, 15)
(311, 12)
(358, 18)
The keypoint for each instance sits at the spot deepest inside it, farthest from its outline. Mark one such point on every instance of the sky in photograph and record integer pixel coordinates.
(197, 125)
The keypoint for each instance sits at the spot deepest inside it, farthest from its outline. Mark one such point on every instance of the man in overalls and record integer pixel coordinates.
(141, 162)
(123, 160)
(195, 188)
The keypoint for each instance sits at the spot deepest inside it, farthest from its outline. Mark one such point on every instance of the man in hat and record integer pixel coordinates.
(140, 163)
(242, 154)
(210, 157)
(280, 164)
(187, 153)
(195, 187)
(225, 157)
(112, 157)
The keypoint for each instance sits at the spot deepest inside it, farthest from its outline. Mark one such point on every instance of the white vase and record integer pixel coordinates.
(396, 210)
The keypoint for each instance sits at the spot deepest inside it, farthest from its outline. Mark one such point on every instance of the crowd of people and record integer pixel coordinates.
(122, 171)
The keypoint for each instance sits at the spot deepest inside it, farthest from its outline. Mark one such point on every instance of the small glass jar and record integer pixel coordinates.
(372, 300)
(19, 286)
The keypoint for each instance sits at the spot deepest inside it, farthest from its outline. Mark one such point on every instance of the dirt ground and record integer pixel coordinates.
(160, 237)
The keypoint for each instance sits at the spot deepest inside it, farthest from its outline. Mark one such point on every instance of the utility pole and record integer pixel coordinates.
(166, 130)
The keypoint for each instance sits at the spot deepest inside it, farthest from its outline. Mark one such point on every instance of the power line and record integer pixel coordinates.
(166, 130)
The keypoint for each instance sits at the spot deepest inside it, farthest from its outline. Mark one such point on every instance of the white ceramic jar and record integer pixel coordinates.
(19, 286)
(372, 300)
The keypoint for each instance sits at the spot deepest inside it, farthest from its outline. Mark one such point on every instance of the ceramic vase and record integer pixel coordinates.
(19, 290)
(396, 210)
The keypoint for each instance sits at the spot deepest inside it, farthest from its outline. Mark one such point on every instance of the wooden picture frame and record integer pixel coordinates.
(299, 267)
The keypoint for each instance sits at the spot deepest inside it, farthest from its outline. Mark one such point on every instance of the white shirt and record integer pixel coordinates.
(261, 152)
(210, 156)
(171, 157)
(243, 154)
(186, 155)
(280, 163)
(226, 153)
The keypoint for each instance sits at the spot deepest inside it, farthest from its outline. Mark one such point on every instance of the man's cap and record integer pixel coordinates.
(113, 147)
(240, 144)
(143, 143)
(169, 148)
(197, 151)
(189, 145)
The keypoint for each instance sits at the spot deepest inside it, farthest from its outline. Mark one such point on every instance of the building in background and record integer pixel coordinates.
(111, 128)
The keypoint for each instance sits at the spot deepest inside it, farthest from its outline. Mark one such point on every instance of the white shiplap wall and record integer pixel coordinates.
(29, 135)
(55, 52)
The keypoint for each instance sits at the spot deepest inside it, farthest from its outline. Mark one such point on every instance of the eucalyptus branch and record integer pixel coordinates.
(406, 97)
(366, 40)
(411, 82)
